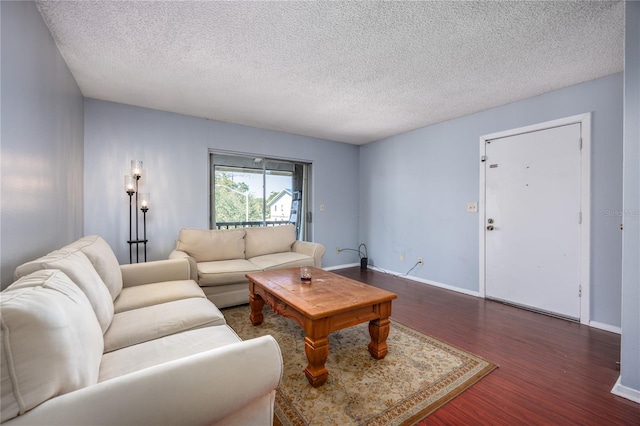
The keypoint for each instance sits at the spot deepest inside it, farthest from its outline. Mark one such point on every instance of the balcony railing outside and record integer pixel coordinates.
(231, 225)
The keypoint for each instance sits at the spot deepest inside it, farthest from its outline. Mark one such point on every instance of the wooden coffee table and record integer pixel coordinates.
(331, 302)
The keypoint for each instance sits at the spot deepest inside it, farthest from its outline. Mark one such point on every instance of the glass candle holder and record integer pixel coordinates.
(129, 184)
(144, 201)
(136, 168)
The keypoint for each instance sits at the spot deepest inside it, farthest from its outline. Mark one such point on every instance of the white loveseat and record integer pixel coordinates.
(87, 341)
(220, 258)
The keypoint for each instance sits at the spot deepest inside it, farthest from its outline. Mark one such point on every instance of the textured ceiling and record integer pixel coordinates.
(347, 71)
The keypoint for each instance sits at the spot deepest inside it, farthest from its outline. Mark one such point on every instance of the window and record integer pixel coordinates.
(256, 191)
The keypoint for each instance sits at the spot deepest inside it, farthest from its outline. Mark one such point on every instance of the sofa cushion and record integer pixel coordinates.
(223, 272)
(165, 349)
(212, 244)
(77, 266)
(50, 338)
(143, 295)
(104, 261)
(287, 259)
(267, 240)
(141, 325)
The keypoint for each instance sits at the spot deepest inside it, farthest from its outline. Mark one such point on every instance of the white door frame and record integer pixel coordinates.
(585, 202)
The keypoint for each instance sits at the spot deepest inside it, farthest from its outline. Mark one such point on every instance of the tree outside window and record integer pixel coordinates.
(234, 202)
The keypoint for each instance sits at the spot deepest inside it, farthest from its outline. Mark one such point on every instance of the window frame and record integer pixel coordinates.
(302, 173)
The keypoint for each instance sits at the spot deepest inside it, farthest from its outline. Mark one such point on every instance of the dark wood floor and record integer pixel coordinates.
(551, 371)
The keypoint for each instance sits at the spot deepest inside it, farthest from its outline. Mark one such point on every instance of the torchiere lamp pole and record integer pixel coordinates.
(144, 206)
(129, 187)
(136, 171)
(131, 183)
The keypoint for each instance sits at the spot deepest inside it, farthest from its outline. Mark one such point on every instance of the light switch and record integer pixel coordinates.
(472, 207)
(321, 207)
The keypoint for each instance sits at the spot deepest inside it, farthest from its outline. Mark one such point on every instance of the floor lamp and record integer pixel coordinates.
(131, 182)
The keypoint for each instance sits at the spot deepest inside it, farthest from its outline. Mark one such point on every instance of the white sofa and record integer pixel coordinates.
(220, 258)
(87, 341)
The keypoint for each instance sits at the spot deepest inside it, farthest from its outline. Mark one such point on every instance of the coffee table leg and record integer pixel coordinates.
(317, 352)
(257, 303)
(379, 331)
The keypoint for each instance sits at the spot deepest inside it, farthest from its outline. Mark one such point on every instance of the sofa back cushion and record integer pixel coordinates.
(104, 261)
(206, 245)
(77, 266)
(267, 240)
(51, 342)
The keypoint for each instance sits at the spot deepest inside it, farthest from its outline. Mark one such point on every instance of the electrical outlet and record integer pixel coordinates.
(401, 257)
(337, 250)
(420, 262)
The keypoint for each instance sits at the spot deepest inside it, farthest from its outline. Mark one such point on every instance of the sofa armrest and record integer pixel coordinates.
(154, 272)
(177, 254)
(314, 250)
(199, 389)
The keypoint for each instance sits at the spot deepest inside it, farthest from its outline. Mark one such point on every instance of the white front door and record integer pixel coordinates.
(533, 220)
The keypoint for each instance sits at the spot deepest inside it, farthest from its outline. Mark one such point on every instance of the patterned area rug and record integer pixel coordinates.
(418, 375)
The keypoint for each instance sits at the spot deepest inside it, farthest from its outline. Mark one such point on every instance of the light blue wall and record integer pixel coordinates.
(415, 186)
(174, 149)
(630, 357)
(42, 147)
(406, 194)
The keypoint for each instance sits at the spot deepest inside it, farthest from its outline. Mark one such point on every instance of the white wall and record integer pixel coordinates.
(174, 149)
(630, 357)
(42, 148)
(415, 186)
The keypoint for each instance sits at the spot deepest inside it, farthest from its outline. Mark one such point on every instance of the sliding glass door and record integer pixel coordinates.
(256, 191)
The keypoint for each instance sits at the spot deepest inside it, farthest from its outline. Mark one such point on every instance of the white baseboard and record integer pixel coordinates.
(429, 282)
(626, 392)
(594, 324)
(605, 327)
(348, 265)
(445, 286)
(409, 277)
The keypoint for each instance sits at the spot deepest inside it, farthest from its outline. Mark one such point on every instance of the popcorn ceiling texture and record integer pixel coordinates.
(353, 72)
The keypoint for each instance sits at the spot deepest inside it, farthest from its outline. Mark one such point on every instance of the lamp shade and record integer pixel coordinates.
(129, 184)
(144, 200)
(136, 168)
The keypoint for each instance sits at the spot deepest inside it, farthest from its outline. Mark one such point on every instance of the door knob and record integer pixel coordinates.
(490, 228)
